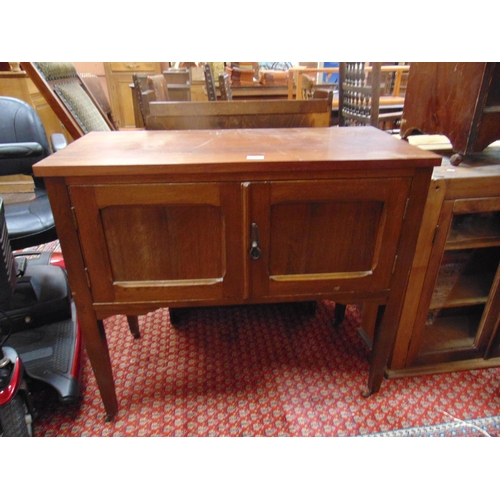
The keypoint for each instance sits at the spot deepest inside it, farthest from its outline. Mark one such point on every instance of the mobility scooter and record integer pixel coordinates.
(40, 339)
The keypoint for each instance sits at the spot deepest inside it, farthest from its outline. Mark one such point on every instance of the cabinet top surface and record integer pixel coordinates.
(233, 150)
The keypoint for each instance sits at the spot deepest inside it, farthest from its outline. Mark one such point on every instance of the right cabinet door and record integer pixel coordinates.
(461, 313)
(320, 238)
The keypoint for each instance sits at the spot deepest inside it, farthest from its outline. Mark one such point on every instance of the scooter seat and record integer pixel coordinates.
(27, 220)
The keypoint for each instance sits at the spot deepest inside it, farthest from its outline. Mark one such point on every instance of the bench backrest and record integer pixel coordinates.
(265, 113)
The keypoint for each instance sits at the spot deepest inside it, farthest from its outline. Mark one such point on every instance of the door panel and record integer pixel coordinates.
(160, 241)
(308, 230)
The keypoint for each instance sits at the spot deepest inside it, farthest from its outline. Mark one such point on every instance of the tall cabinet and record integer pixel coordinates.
(450, 317)
(119, 77)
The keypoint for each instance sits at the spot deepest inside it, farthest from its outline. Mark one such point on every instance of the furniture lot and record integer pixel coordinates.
(236, 217)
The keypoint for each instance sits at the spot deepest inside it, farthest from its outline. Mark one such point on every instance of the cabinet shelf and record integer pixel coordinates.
(466, 290)
(474, 231)
(465, 277)
(450, 329)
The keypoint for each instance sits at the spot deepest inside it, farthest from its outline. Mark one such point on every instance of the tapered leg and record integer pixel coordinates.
(339, 314)
(94, 338)
(133, 324)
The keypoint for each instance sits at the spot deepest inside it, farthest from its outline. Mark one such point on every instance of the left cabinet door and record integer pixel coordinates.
(160, 242)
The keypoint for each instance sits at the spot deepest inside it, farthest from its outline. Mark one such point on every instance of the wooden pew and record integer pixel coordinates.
(268, 113)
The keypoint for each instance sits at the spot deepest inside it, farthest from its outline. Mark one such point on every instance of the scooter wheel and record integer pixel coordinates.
(15, 419)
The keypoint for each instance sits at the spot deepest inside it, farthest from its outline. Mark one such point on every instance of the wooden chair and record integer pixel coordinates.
(158, 85)
(140, 90)
(359, 97)
(225, 87)
(94, 85)
(148, 88)
(209, 82)
(178, 83)
(68, 95)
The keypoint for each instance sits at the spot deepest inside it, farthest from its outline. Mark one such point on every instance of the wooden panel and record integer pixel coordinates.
(119, 78)
(134, 66)
(14, 84)
(313, 227)
(187, 231)
(300, 233)
(185, 242)
(458, 100)
(238, 114)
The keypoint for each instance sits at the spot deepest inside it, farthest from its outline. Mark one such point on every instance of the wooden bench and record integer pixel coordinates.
(268, 113)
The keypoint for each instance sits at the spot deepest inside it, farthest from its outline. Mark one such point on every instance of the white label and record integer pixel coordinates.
(255, 157)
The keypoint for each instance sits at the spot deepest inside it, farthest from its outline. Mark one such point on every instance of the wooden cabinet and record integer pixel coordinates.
(119, 80)
(185, 218)
(453, 297)
(458, 100)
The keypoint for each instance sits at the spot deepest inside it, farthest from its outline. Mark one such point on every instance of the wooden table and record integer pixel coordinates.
(151, 219)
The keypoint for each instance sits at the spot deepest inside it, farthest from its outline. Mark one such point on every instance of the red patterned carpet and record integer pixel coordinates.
(266, 371)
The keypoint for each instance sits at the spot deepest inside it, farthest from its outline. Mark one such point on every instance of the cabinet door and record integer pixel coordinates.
(161, 242)
(461, 312)
(323, 237)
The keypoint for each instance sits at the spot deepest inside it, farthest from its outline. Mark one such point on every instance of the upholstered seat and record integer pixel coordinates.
(23, 142)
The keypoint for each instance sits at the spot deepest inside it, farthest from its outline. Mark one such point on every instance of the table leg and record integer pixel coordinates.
(94, 338)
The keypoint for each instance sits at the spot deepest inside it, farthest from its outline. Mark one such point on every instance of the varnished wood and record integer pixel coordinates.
(165, 219)
(454, 192)
(119, 77)
(458, 100)
(270, 113)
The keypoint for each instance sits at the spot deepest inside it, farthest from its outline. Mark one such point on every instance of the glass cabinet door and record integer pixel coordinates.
(459, 319)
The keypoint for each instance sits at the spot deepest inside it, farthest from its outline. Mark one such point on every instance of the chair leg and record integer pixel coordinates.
(133, 323)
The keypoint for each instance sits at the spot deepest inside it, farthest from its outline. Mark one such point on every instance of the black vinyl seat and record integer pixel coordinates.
(23, 142)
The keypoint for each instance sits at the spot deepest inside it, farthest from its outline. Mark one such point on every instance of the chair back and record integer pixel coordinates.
(358, 97)
(178, 83)
(20, 124)
(158, 85)
(95, 87)
(209, 82)
(256, 113)
(225, 87)
(69, 97)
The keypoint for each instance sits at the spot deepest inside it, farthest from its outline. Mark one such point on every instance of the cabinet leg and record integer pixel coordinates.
(339, 314)
(96, 346)
(456, 159)
(311, 308)
(175, 315)
(133, 324)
